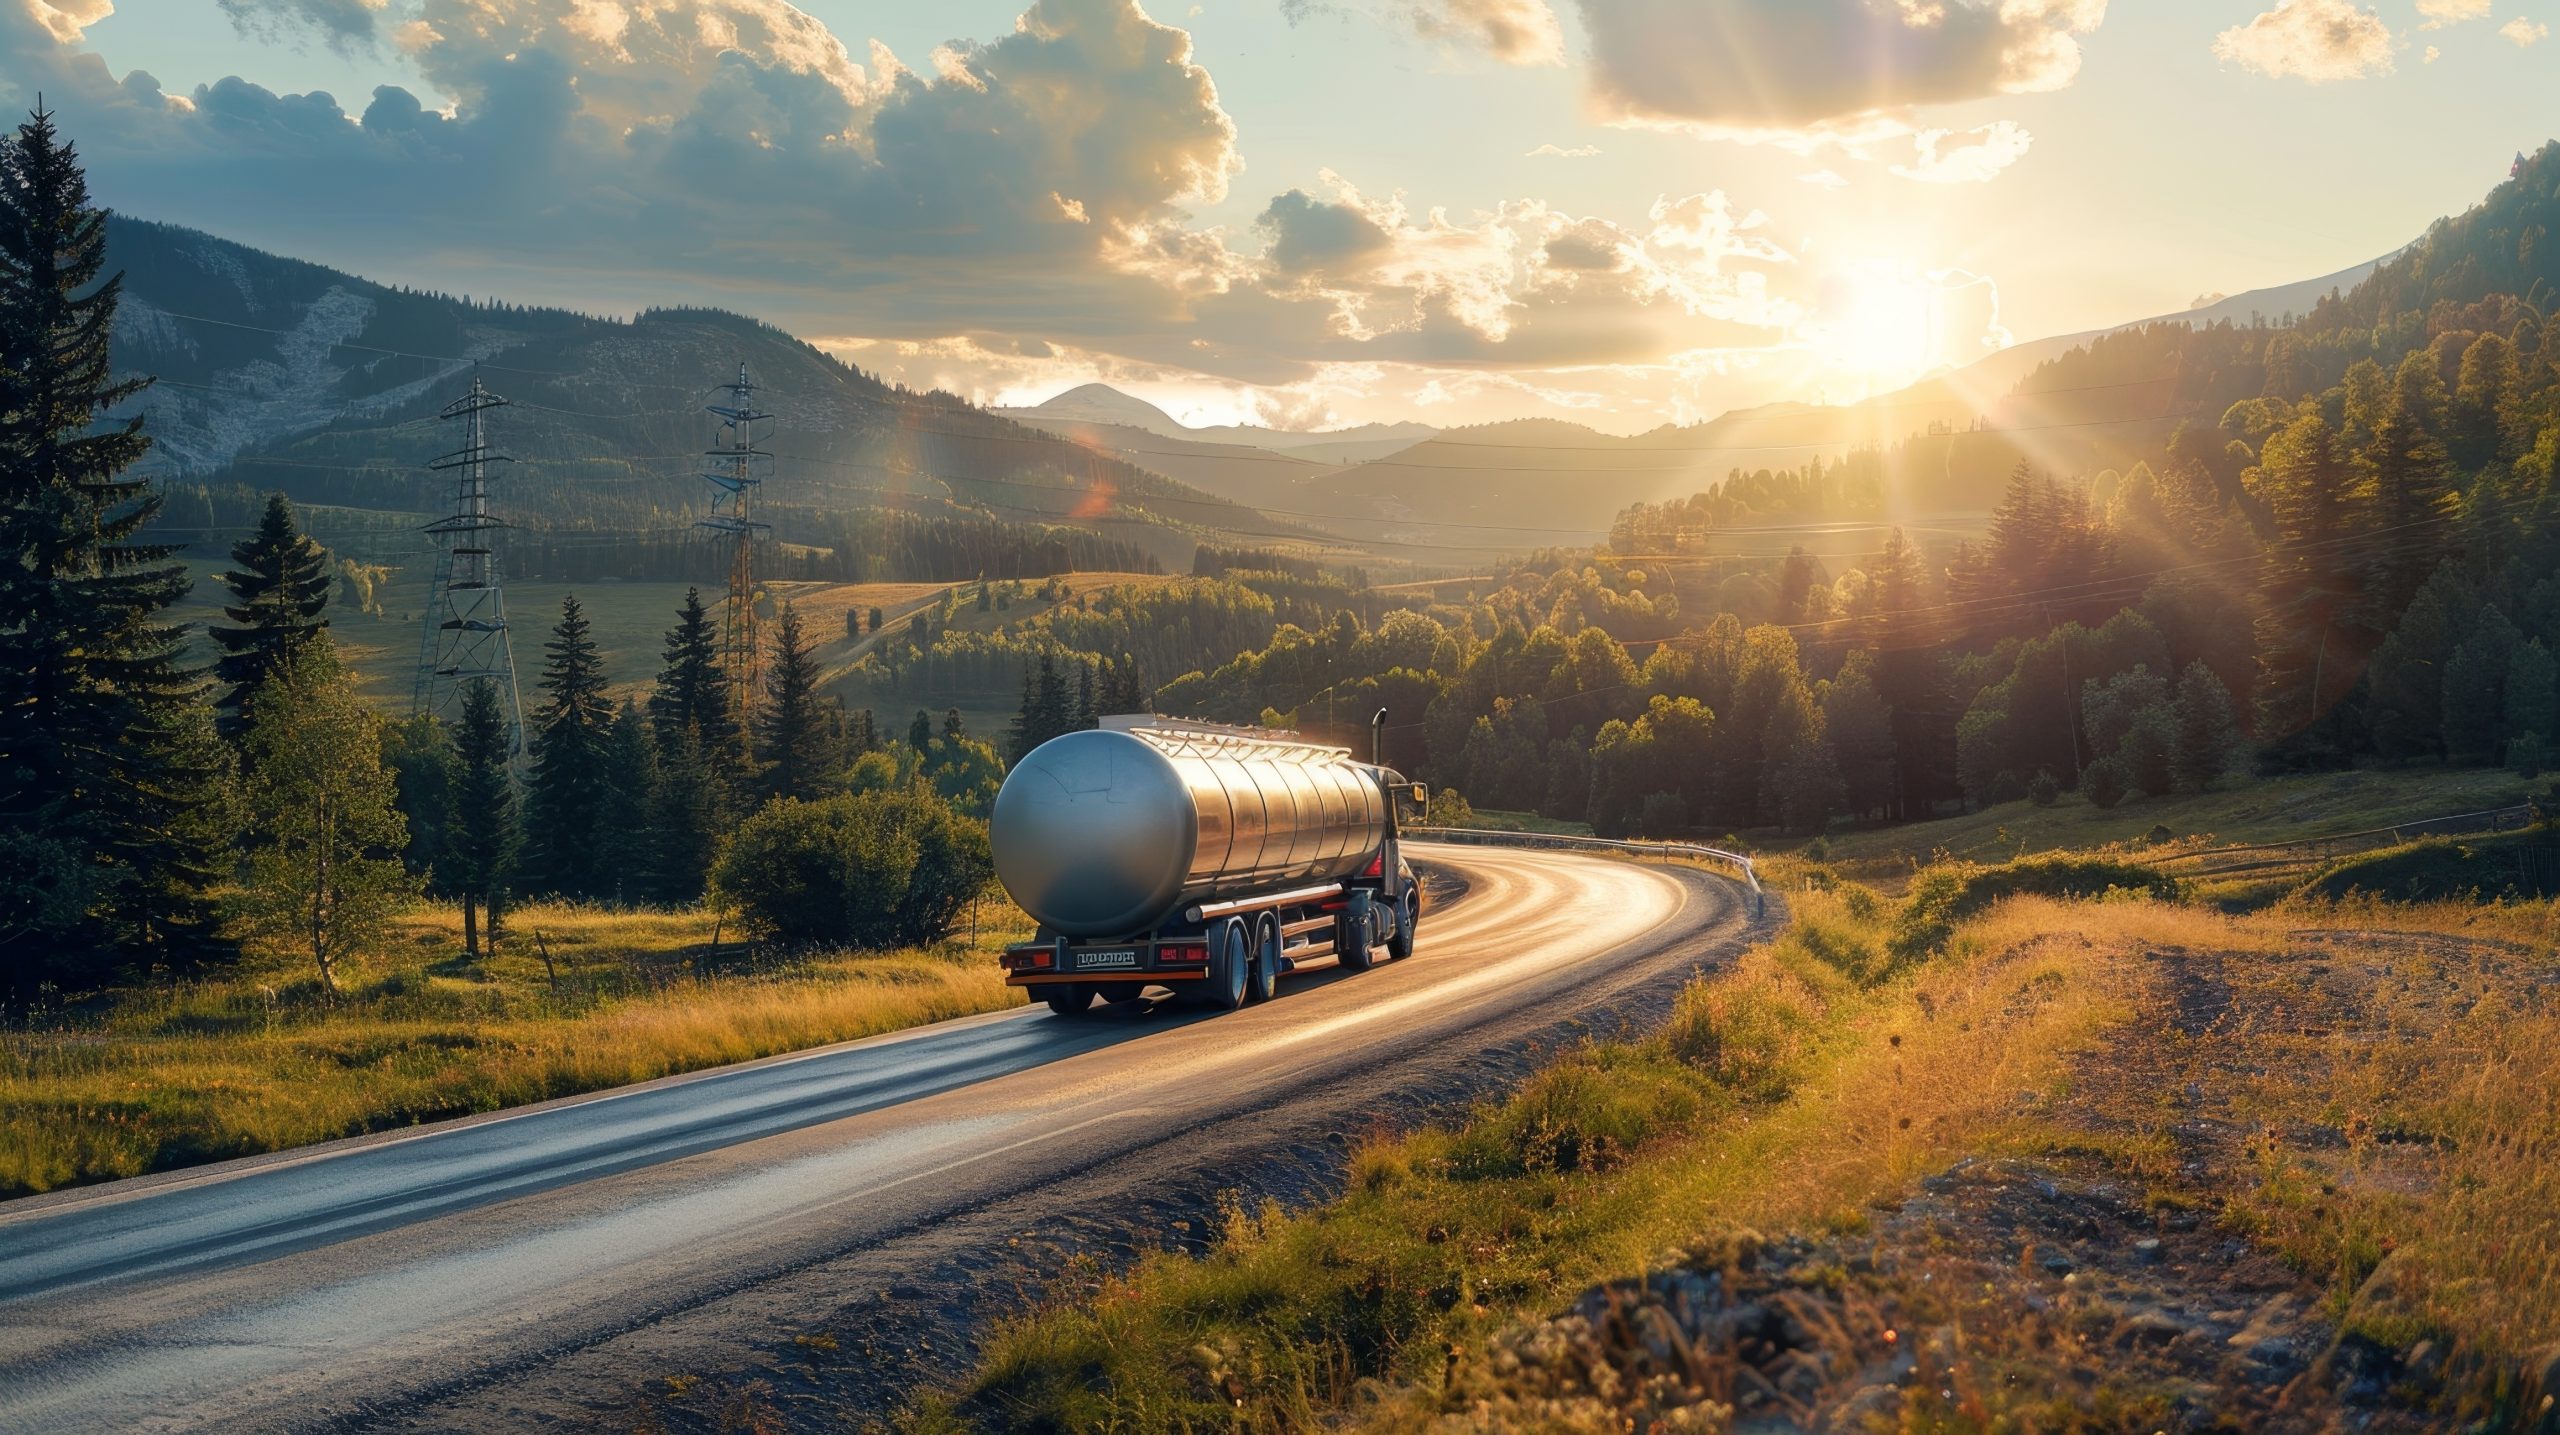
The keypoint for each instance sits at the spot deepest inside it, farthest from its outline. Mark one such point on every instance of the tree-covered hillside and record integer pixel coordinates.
(277, 375)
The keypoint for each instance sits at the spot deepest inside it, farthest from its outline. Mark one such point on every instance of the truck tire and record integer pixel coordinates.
(1351, 933)
(1264, 980)
(1408, 915)
(1068, 998)
(1120, 993)
(1230, 966)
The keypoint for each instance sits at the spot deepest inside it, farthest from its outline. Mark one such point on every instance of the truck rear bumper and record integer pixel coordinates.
(1055, 979)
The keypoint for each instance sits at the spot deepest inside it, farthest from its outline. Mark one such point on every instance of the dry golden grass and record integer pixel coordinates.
(1830, 1070)
(258, 1059)
(1790, 1090)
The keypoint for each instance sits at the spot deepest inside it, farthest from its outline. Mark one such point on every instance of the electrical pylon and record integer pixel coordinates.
(735, 470)
(467, 609)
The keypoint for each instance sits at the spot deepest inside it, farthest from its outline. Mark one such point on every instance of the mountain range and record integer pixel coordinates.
(276, 373)
(279, 374)
(1505, 484)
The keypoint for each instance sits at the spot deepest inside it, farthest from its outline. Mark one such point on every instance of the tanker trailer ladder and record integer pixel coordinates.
(1740, 865)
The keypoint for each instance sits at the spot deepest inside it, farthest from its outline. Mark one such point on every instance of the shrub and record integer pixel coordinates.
(2436, 869)
(1747, 1032)
(2105, 783)
(1944, 896)
(2042, 789)
(1662, 815)
(872, 869)
(1448, 808)
(1586, 1113)
(2526, 755)
(2007, 787)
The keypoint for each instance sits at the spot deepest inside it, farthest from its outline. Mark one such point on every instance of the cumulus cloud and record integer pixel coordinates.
(2316, 41)
(64, 21)
(345, 24)
(1973, 157)
(1557, 151)
(2523, 31)
(2440, 13)
(1020, 210)
(1769, 69)
(1516, 32)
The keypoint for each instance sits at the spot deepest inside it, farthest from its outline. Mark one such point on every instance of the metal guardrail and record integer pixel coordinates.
(1544, 841)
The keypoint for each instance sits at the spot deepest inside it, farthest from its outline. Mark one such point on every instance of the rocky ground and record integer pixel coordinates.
(2108, 1281)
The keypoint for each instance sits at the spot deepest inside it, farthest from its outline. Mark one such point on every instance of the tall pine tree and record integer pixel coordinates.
(102, 859)
(481, 835)
(693, 687)
(2307, 581)
(800, 741)
(279, 584)
(570, 795)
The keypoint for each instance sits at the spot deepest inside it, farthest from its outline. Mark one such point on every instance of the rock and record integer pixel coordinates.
(2149, 1327)
(2543, 1368)
(2147, 1251)
(2058, 1263)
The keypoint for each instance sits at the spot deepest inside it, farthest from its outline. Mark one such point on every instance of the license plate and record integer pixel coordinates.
(1123, 960)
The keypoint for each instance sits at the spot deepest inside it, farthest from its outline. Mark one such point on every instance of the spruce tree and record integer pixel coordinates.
(570, 792)
(2207, 738)
(2412, 493)
(920, 732)
(800, 741)
(279, 584)
(102, 856)
(1017, 738)
(686, 823)
(693, 688)
(481, 836)
(2475, 688)
(2307, 582)
(628, 808)
(2533, 692)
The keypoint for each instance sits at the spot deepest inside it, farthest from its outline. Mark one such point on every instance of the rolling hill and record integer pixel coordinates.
(279, 374)
(1527, 482)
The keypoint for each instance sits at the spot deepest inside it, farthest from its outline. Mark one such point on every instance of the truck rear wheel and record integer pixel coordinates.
(1230, 966)
(1351, 933)
(1408, 913)
(1265, 978)
(1068, 998)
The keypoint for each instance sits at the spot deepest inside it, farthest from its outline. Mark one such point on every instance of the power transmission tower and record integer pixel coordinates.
(735, 469)
(466, 624)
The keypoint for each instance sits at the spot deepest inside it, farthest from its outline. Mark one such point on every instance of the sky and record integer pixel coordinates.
(1315, 213)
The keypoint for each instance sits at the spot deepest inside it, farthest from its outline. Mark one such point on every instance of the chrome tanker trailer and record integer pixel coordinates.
(1204, 859)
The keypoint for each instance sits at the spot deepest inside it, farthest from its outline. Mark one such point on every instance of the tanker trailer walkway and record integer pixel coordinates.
(498, 1271)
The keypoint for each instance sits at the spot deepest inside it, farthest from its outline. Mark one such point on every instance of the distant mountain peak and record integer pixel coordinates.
(1103, 404)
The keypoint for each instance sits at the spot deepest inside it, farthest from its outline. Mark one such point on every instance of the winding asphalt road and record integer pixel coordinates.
(477, 1273)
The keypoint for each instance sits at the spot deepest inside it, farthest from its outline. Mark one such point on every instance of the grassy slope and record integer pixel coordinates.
(2281, 809)
(1822, 1075)
(165, 1074)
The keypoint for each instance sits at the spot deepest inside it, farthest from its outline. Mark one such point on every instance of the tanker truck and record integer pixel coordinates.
(1207, 860)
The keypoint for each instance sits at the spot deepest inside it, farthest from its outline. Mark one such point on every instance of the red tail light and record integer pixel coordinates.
(1377, 865)
(1183, 956)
